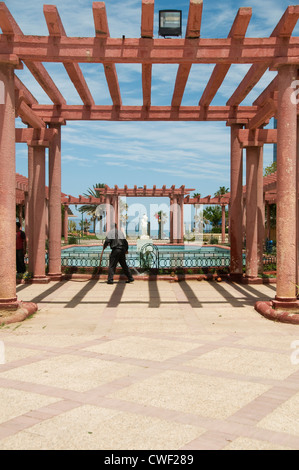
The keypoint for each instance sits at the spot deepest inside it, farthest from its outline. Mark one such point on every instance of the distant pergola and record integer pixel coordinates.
(279, 52)
(176, 198)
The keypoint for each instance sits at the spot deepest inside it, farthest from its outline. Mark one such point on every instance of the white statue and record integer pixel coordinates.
(144, 226)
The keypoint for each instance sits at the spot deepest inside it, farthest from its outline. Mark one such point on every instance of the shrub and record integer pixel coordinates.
(72, 240)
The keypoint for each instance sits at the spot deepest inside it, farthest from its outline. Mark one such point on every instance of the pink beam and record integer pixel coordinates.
(102, 31)
(147, 32)
(156, 51)
(268, 93)
(263, 116)
(20, 87)
(283, 29)
(194, 19)
(28, 116)
(257, 137)
(56, 29)
(10, 27)
(147, 18)
(29, 135)
(238, 32)
(50, 113)
(192, 32)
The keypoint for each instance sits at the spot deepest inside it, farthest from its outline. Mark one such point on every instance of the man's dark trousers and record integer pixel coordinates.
(118, 255)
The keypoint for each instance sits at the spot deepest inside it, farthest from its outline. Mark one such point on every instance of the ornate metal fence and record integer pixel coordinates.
(151, 258)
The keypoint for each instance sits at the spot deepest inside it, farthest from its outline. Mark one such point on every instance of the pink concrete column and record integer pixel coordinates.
(175, 220)
(30, 229)
(223, 223)
(38, 197)
(236, 203)
(171, 220)
(65, 223)
(7, 190)
(55, 205)
(286, 187)
(181, 208)
(252, 158)
(260, 210)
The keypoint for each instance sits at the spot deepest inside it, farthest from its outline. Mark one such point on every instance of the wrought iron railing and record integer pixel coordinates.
(153, 258)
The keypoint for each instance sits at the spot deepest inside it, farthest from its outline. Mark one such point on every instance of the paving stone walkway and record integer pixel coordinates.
(151, 365)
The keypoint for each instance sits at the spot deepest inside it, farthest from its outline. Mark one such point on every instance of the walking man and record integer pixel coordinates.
(119, 246)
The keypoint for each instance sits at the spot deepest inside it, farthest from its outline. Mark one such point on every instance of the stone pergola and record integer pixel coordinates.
(176, 197)
(279, 52)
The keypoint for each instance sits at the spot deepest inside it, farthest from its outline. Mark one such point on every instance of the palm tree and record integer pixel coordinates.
(222, 190)
(91, 208)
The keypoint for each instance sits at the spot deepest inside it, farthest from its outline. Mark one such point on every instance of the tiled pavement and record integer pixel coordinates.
(151, 365)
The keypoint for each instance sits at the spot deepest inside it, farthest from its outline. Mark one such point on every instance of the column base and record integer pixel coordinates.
(9, 304)
(252, 280)
(289, 315)
(40, 280)
(17, 313)
(288, 303)
(55, 276)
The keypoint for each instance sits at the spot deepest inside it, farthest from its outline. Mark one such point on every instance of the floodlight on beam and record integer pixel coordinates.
(170, 23)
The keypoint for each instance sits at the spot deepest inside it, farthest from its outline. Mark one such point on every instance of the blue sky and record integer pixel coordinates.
(195, 154)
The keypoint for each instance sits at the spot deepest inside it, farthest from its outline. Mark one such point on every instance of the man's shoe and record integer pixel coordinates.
(110, 282)
(129, 281)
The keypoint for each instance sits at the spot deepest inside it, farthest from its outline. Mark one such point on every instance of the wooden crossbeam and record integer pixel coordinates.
(254, 137)
(20, 87)
(238, 31)
(147, 32)
(268, 92)
(27, 135)
(144, 191)
(283, 29)
(262, 117)
(100, 20)
(192, 32)
(146, 84)
(52, 113)
(9, 26)
(156, 51)
(102, 31)
(56, 29)
(28, 116)
(147, 18)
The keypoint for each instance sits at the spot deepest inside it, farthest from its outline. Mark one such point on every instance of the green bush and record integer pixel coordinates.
(72, 240)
